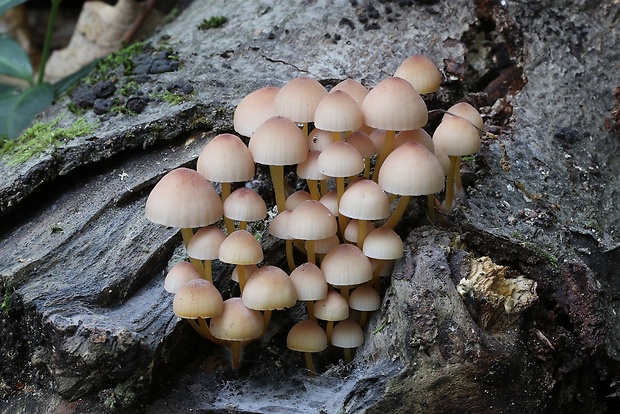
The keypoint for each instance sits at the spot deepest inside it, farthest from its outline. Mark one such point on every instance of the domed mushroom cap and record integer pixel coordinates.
(346, 265)
(226, 159)
(298, 99)
(340, 159)
(269, 288)
(278, 227)
(254, 109)
(309, 169)
(237, 322)
(322, 246)
(364, 298)
(421, 73)
(330, 200)
(383, 243)
(296, 199)
(338, 111)
(180, 274)
(309, 282)
(198, 298)
(311, 220)
(418, 135)
(365, 200)
(333, 308)
(244, 204)
(467, 111)
(411, 170)
(347, 334)
(278, 141)
(240, 248)
(184, 199)
(394, 105)
(318, 139)
(362, 142)
(456, 136)
(306, 336)
(356, 90)
(351, 231)
(205, 243)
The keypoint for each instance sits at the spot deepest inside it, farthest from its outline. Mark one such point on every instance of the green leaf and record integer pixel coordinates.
(18, 110)
(66, 82)
(13, 59)
(9, 4)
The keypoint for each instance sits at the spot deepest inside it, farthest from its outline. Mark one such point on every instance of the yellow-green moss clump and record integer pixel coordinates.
(42, 136)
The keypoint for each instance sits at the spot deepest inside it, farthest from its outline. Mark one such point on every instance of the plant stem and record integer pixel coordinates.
(48, 39)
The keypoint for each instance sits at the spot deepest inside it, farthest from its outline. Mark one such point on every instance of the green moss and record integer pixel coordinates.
(212, 22)
(172, 98)
(42, 136)
(543, 254)
(6, 303)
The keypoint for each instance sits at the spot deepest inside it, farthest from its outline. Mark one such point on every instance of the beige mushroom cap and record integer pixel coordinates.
(411, 170)
(309, 169)
(205, 243)
(278, 227)
(346, 265)
(198, 298)
(338, 111)
(244, 204)
(179, 275)
(394, 105)
(299, 98)
(318, 139)
(306, 336)
(364, 298)
(421, 73)
(418, 135)
(226, 159)
(278, 141)
(383, 243)
(269, 288)
(366, 200)
(362, 142)
(254, 109)
(184, 199)
(355, 89)
(240, 248)
(351, 231)
(347, 334)
(311, 220)
(467, 111)
(456, 136)
(237, 322)
(309, 282)
(333, 308)
(340, 159)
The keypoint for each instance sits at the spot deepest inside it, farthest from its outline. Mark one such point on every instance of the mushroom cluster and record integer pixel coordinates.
(342, 226)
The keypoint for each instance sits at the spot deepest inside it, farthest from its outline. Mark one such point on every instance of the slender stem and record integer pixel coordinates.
(363, 318)
(207, 271)
(337, 136)
(266, 319)
(277, 177)
(187, 235)
(388, 146)
(401, 207)
(344, 292)
(230, 224)
(243, 225)
(431, 208)
(289, 255)
(458, 184)
(313, 186)
(304, 129)
(235, 347)
(310, 251)
(324, 189)
(448, 202)
(376, 274)
(342, 220)
(328, 330)
(241, 275)
(347, 355)
(309, 363)
(48, 39)
(310, 309)
(202, 323)
(361, 233)
(366, 167)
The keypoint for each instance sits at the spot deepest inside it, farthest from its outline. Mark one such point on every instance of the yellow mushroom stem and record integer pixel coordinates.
(289, 255)
(342, 220)
(230, 224)
(367, 167)
(328, 330)
(344, 292)
(398, 212)
(361, 233)
(241, 275)
(207, 270)
(313, 186)
(267, 319)
(235, 347)
(187, 235)
(310, 363)
(310, 310)
(431, 208)
(243, 225)
(337, 136)
(347, 355)
(388, 146)
(277, 178)
(324, 189)
(310, 251)
(458, 184)
(448, 202)
(203, 329)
